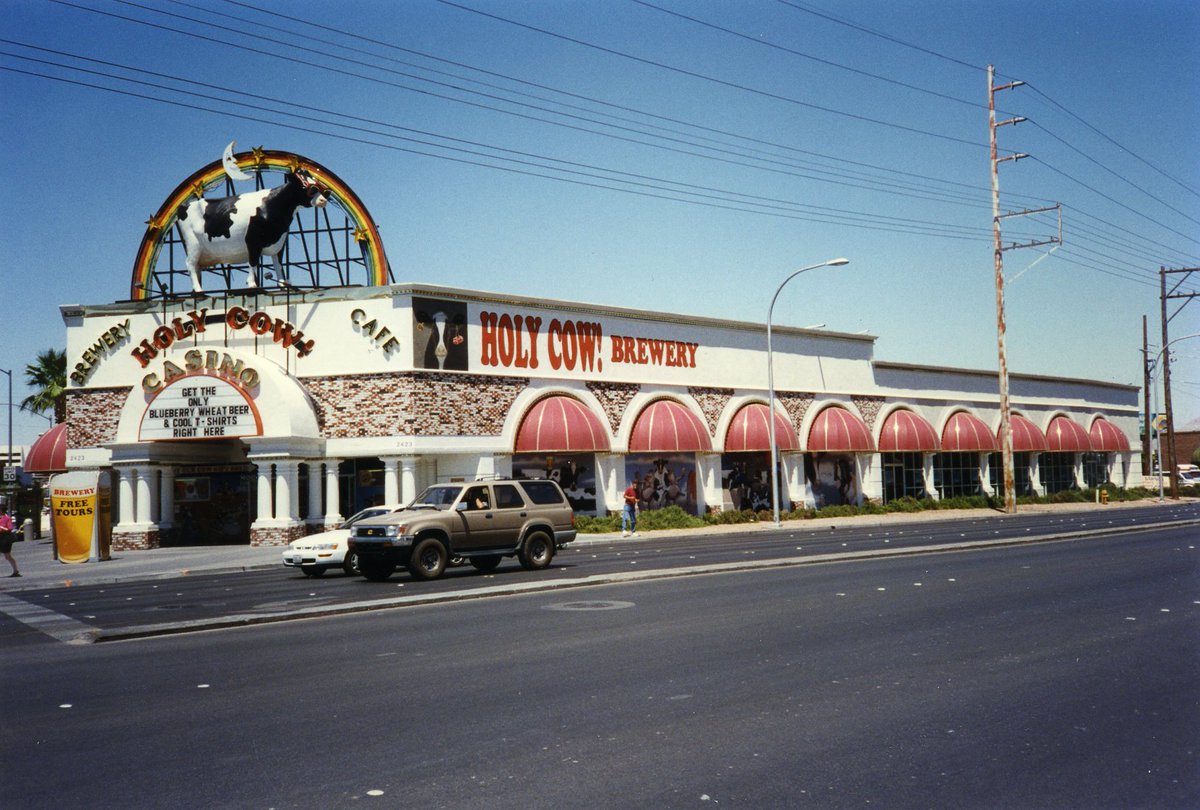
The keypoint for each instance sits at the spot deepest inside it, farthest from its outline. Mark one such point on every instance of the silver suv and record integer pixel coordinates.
(481, 522)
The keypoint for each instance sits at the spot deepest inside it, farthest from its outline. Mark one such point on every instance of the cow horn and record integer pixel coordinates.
(231, 167)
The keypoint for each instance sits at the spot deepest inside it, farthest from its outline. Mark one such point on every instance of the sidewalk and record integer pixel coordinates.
(39, 569)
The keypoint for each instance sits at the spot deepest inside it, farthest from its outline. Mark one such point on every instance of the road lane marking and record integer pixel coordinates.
(54, 624)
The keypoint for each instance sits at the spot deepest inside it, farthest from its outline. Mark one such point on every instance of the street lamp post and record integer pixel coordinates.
(771, 381)
(8, 459)
(1157, 434)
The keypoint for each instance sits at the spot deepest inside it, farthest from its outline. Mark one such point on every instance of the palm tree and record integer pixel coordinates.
(48, 378)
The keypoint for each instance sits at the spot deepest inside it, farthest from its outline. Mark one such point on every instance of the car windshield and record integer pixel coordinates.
(440, 496)
(374, 511)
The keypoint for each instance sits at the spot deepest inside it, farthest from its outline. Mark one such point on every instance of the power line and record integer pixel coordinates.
(713, 79)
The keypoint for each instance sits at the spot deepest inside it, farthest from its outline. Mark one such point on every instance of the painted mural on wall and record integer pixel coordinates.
(574, 472)
(747, 479)
(832, 478)
(663, 479)
(440, 334)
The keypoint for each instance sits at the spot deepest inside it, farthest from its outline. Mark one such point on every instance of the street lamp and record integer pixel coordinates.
(771, 380)
(1157, 434)
(8, 458)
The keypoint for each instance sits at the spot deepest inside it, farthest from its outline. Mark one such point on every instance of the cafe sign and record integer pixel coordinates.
(200, 406)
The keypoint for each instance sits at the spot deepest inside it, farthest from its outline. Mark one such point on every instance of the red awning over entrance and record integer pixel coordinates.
(1064, 436)
(666, 426)
(1026, 437)
(1107, 438)
(48, 453)
(560, 424)
(905, 432)
(966, 433)
(836, 430)
(750, 431)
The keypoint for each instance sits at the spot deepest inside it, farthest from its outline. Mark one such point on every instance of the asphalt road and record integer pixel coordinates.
(128, 609)
(1042, 676)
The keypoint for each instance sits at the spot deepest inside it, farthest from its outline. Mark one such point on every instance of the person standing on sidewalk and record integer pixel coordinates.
(6, 540)
(629, 515)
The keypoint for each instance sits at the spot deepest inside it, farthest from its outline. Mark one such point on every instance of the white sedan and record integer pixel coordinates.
(317, 553)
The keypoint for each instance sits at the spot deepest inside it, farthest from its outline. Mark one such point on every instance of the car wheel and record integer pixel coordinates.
(312, 570)
(376, 570)
(428, 559)
(486, 563)
(537, 551)
(350, 564)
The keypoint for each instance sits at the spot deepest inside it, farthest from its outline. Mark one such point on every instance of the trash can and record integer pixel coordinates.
(27, 530)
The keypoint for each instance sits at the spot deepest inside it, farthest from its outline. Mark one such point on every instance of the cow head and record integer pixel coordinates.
(315, 194)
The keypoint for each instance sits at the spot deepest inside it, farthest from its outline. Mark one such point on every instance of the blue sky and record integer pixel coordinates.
(725, 144)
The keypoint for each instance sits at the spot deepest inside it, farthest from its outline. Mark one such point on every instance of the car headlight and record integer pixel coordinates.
(325, 546)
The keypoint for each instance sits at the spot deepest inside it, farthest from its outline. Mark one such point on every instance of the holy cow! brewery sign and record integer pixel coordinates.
(200, 406)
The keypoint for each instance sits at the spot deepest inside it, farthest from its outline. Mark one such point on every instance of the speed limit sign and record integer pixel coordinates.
(10, 475)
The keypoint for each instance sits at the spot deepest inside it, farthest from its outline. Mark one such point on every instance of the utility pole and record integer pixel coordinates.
(1010, 495)
(1147, 461)
(1166, 461)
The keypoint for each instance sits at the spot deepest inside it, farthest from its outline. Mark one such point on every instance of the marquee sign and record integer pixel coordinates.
(199, 406)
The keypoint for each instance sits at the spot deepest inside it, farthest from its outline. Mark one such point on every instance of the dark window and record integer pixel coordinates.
(903, 475)
(477, 498)
(508, 497)
(543, 492)
(1058, 471)
(956, 474)
(1022, 482)
(1095, 469)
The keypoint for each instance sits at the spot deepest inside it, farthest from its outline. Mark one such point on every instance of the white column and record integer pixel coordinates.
(264, 491)
(793, 479)
(1077, 463)
(333, 507)
(985, 478)
(315, 510)
(287, 490)
(143, 500)
(1035, 474)
(166, 509)
(610, 481)
(125, 496)
(155, 474)
(391, 482)
(408, 479)
(927, 476)
(862, 470)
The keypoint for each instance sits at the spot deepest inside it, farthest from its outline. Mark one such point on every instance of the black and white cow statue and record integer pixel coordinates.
(246, 227)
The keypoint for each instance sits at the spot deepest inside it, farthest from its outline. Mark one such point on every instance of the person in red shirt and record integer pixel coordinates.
(629, 514)
(6, 540)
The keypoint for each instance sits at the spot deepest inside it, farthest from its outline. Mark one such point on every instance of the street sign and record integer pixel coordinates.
(10, 475)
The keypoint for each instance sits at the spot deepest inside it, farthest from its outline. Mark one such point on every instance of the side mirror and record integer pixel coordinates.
(461, 506)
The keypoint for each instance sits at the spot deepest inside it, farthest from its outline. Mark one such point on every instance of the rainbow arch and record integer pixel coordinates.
(366, 234)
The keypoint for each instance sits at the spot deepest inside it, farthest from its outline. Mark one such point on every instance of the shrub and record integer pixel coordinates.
(730, 517)
(671, 517)
(590, 524)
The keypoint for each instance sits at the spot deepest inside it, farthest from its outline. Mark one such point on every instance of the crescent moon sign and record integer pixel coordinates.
(231, 167)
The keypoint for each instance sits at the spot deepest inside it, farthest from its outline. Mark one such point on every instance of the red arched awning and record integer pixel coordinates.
(48, 453)
(836, 430)
(750, 431)
(1026, 437)
(559, 424)
(1064, 436)
(666, 426)
(966, 433)
(905, 432)
(1107, 437)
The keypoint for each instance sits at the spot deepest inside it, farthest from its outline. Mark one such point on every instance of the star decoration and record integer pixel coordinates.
(360, 234)
(259, 155)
